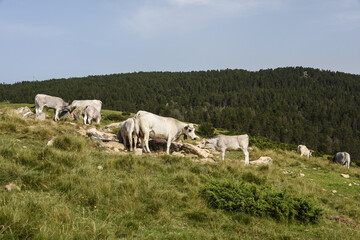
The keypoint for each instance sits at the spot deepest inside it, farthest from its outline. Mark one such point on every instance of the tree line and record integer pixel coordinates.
(298, 105)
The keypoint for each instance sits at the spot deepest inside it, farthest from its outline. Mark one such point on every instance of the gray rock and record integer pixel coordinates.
(262, 161)
(11, 187)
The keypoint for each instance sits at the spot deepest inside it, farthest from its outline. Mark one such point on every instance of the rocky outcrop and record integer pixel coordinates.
(25, 112)
(102, 136)
(110, 127)
(189, 148)
(262, 161)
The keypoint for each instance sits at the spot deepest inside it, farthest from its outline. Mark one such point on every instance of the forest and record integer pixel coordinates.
(295, 105)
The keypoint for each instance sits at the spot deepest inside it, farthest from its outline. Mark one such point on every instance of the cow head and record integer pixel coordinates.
(310, 153)
(189, 131)
(66, 108)
(203, 143)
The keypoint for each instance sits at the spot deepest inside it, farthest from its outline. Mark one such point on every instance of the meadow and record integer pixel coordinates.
(64, 194)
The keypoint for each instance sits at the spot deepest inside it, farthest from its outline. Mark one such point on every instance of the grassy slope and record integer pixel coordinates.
(64, 196)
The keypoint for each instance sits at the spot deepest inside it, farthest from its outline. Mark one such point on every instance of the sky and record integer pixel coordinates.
(48, 39)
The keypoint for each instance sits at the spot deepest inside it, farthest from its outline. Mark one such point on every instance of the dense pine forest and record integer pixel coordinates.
(320, 109)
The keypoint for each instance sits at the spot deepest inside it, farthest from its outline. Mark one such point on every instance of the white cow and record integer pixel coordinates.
(90, 114)
(343, 158)
(154, 126)
(129, 131)
(81, 104)
(223, 143)
(304, 151)
(56, 103)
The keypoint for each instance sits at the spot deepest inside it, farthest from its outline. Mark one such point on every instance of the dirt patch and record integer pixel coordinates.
(343, 220)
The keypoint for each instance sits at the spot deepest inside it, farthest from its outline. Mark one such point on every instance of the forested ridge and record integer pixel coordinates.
(318, 108)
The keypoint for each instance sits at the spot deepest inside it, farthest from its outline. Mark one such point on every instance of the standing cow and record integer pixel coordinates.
(223, 143)
(154, 126)
(304, 151)
(128, 132)
(343, 158)
(56, 103)
(90, 114)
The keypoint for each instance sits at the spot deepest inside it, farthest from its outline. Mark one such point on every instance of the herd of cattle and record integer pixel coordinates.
(146, 125)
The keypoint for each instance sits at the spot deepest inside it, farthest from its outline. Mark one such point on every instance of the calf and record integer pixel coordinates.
(343, 158)
(223, 143)
(304, 151)
(90, 114)
(129, 131)
(56, 103)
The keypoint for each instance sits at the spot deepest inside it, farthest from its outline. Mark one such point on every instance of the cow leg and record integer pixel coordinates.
(246, 153)
(146, 139)
(168, 144)
(85, 118)
(135, 141)
(124, 140)
(223, 153)
(39, 109)
(130, 142)
(56, 115)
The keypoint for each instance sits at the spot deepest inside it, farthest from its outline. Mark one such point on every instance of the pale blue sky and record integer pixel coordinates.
(45, 39)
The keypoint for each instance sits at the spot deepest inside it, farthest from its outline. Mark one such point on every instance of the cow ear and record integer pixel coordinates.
(186, 127)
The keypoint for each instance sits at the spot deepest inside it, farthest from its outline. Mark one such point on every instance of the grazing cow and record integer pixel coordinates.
(223, 143)
(343, 158)
(90, 114)
(129, 131)
(154, 126)
(83, 103)
(304, 151)
(56, 103)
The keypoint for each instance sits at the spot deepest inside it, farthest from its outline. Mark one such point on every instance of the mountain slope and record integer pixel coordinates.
(292, 105)
(64, 194)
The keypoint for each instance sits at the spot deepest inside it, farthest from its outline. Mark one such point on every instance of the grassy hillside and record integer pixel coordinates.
(65, 196)
(299, 105)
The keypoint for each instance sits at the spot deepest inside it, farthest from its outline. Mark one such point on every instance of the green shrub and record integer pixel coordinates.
(206, 129)
(265, 143)
(69, 143)
(8, 127)
(260, 201)
(114, 117)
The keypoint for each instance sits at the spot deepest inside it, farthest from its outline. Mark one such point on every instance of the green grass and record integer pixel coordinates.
(65, 196)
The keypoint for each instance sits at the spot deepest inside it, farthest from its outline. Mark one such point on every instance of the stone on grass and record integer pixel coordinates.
(92, 132)
(40, 116)
(345, 175)
(138, 151)
(189, 148)
(262, 161)
(11, 187)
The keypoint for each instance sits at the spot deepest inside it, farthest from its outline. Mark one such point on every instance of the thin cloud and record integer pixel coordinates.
(170, 17)
(28, 30)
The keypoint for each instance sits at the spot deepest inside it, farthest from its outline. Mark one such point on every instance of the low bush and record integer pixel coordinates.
(114, 117)
(265, 143)
(69, 143)
(206, 129)
(260, 201)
